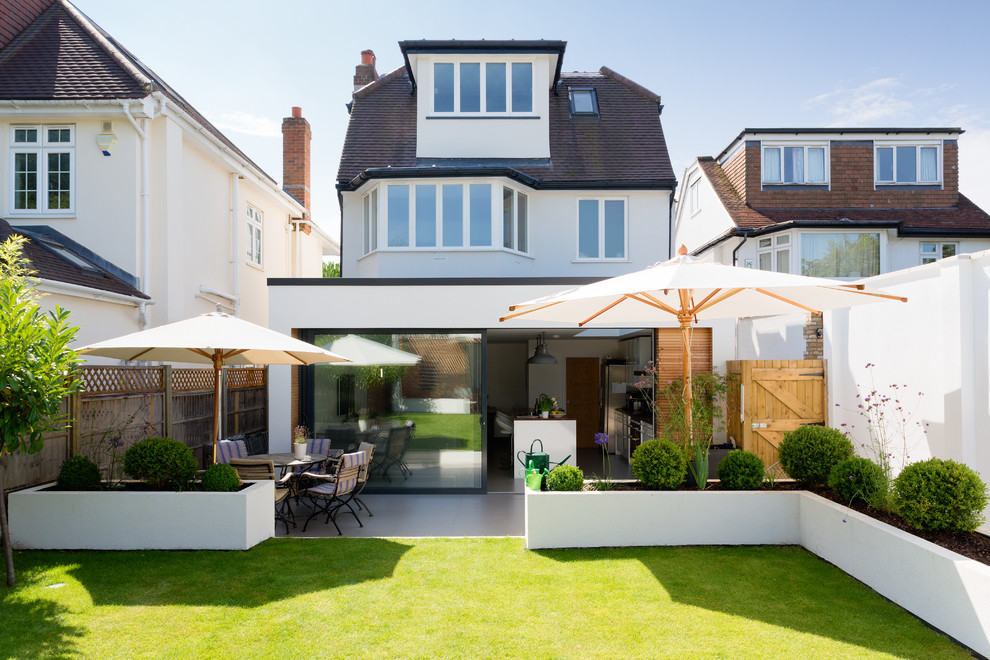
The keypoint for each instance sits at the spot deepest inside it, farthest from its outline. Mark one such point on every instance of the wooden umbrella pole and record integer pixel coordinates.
(217, 366)
(685, 318)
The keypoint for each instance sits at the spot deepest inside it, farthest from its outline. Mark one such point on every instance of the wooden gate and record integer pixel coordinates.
(771, 397)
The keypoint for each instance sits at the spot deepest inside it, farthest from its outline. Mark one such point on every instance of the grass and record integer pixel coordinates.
(447, 431)
(423, 598)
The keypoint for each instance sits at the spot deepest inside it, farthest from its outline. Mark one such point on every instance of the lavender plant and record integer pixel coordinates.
(601, 439)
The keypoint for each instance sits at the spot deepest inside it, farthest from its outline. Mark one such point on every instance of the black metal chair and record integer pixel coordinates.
(330, 490)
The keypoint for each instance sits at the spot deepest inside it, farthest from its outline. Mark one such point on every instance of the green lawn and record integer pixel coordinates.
(378, 598)
(435, 432)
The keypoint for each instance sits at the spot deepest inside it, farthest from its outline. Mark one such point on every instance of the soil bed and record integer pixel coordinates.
(973, 545)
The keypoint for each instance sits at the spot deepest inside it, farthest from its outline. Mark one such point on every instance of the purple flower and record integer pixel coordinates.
(601, 439)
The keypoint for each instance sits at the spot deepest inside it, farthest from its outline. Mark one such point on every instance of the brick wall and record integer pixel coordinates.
(296, 137)
(814, 343)
(365, 72)
(852, 177)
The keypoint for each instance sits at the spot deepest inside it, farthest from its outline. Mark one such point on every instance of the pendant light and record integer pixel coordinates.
(541, 355)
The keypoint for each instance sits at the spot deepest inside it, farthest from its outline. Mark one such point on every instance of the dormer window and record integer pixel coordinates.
(583, 102)
(787, 164)
(482, 87)
(907, 163)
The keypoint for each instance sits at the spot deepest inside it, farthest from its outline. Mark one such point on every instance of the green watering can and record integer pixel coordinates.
(534, 478)
(540, 460)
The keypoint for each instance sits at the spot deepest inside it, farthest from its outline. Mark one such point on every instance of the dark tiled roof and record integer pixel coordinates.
(55, 58)
(50, 266)
(625, 146)
(15, 15)
(964, 218)
(63, 55)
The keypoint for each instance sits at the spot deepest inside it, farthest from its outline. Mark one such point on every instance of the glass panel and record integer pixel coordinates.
(816, 164)
(426, 216)
(367, 224)
(257, 245)
(470, 87)
(582, 101)
(507, 219)
(766, 261)
(907, 164)
(793, 164)
(25, 135)
(25, 181)
(522, 224)
(927, 260)
(948, 250)
(588, 229)
(374, 219)
(443, 87)
(771, 165)
(840, 255)
(250, 241)
(783, 239)
(58, 135)
(928, 248)
(885, 164)
(766, 242)
(522, 87)
(481, 214)
(495, 87)
(929, 164)
(453, 215)
(783, 261)
(615, 229)
(422, 412)
(398, 216)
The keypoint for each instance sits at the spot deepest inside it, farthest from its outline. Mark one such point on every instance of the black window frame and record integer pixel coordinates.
(594, 114)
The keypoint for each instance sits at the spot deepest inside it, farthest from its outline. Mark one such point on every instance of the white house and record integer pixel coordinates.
(476, 176)
(103, 153)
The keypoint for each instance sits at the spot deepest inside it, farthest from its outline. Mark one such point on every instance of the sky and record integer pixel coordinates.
(718, 66)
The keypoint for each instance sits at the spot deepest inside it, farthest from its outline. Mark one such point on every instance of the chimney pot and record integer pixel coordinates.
(365, 73)
(296, 111)
(368, 57)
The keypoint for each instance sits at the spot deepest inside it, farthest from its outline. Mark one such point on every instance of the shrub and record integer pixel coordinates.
(858, 477)
(161, 462)
(78, 473)
(741, 470)
(940, 495)
(565, 477)
(659, 464)
(809, 453)
(221, 478)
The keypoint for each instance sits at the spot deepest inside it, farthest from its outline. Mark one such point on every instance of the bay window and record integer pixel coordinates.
(601, 229)
(907, 164)
(840, 255)
(798, 164)
(514, 217)
(774, 253)
(483, 87)
(42, 169)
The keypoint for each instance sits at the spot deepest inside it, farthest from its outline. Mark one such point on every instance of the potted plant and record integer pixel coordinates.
(544, 404)
(299, 435)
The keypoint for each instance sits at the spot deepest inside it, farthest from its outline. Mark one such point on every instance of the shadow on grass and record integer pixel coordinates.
(35, 628)
(796, 590)
(274, 570)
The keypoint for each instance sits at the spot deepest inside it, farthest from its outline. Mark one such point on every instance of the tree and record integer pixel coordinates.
(37, 368)
(331, 269)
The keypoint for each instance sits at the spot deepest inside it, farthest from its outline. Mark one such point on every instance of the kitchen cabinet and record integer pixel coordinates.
(622, 433)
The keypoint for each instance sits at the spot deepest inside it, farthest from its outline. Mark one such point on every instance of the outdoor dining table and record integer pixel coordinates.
(288, 461)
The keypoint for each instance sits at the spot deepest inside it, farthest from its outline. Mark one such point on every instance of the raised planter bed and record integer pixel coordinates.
(945, 589)
(47, 519)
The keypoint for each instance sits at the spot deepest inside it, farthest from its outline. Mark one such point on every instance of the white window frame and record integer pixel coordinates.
(918, 145)
(931, 256)
(483, 112)
(42, 148)
(694, 200)
(601, 230)
(883, 265)
(255, 236)
(369, 209)
(805, 145)
(776, 244)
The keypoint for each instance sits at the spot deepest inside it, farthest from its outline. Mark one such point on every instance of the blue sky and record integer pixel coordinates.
(719, 66)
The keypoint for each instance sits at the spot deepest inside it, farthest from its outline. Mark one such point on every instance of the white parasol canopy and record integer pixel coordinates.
(362, 352)
(687, 290)
(216, 339)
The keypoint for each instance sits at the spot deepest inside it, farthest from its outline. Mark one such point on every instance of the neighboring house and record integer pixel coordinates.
(476, 176)
(104, 154)
(829, 202)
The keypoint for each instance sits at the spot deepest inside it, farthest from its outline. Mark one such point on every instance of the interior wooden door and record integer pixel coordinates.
(582, 398)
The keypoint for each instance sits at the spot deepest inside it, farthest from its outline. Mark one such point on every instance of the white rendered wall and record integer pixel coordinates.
(552, 238)
(707, 222)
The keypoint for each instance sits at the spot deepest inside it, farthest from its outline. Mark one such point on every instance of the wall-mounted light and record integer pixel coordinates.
(106, 142)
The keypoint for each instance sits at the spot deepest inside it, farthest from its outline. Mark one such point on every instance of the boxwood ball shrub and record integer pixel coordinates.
(659, 464)
(940, 495)
(78, 473)
(857, 478)
(565, 477)
(221, 478)
(808, 453)
(741, 470)
(162, 462)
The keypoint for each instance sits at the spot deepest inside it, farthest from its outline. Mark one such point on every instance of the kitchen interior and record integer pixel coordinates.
(592, 374)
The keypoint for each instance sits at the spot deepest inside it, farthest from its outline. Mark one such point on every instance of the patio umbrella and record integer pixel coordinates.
(361, 352)
(688, 290)
(216, 339)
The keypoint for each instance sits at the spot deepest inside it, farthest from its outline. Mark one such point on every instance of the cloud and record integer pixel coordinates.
(883, 100)
(242, 122)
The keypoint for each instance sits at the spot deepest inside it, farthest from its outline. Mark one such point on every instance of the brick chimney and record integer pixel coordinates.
(364, 72)
(296, 136)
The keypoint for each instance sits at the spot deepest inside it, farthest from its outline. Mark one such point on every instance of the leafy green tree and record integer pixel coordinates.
(331, 269)
(37, 368)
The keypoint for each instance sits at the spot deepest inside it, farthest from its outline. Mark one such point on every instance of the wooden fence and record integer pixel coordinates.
(121, 405)
(769, 398)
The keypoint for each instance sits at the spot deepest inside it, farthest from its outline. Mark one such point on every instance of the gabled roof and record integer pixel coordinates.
(58, 258)
(964, 219)
(625, 148)
(64, 56)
